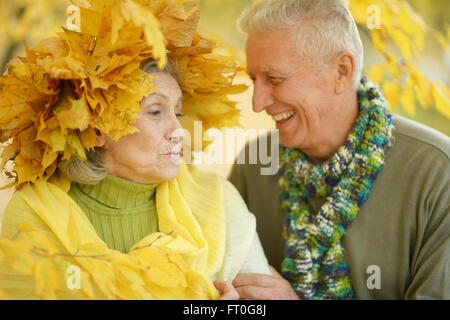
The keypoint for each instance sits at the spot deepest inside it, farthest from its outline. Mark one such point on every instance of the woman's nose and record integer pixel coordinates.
(176, 133)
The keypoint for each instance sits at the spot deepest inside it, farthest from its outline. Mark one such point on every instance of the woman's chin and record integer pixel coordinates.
(167, 173)
(170, 172)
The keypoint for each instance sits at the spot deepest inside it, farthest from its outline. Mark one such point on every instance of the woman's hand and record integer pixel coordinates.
(227, 291)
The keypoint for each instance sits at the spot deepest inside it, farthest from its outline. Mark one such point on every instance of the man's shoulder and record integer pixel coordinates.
(416, 136)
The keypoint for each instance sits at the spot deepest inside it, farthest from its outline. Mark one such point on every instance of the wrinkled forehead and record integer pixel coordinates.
(266, 53)
(273, 50)
(167, 90)
(167, 87)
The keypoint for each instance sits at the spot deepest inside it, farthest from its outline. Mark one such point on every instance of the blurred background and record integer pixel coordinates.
(415, 38)
(406, 48)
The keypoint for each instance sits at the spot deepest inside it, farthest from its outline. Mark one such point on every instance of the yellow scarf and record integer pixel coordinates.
(175, 263)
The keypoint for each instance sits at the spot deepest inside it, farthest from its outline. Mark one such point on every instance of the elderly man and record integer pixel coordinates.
(360, 205)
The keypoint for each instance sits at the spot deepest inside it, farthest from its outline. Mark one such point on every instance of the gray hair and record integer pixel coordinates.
(322, 29)
(92, 170)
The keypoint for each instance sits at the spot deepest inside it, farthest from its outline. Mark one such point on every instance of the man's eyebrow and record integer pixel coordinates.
(263, 70)
(268, 69)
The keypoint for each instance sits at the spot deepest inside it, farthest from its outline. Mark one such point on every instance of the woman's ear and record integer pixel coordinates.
(101, 140)
(344, 65)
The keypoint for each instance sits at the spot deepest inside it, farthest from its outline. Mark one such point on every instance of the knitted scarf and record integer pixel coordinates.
(314, 262)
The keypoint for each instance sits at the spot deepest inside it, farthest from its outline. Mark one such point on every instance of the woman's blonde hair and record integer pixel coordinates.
(322, 29)
(92, 170)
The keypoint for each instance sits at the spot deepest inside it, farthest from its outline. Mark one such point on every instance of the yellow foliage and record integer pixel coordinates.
(408, 31)
(48, 280)
(18, 254)
(407, 99)
(376, 74)
(441, 94)
(117, 275)
(53, 100)
(391, 92)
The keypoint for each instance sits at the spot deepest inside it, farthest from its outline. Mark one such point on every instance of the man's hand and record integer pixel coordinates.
(227, 291)
(264, 287)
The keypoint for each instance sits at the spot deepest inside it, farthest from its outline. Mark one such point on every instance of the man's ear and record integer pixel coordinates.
(344, 68)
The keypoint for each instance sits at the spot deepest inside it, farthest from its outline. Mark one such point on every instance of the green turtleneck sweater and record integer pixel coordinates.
(121, 211)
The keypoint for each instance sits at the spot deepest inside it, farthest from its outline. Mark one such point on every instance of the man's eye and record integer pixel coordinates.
(275, 80)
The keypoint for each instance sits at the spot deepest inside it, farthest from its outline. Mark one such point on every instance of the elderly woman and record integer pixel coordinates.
(132, 221)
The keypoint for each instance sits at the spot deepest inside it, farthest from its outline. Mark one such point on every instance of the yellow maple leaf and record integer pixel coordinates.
(72, 113)
(424, 92)
(27, 170)
(142, 16)
(75, 144)
(391, 91)
(90, 16)
(179, 27)
(18, 254)
(161, 271)
(58, 140)
(379, 40)
(402, 41)
(49, 157)
(39, 239)
(376, 73)
(441, 94)
(408, 100)
(103, 276)
(130, 283)
(119, 118)
(48, 280)
(88, 138)
(92, 248)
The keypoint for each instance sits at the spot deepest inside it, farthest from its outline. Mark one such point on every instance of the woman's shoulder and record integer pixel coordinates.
(19, 211)
(232, 197)
(21, 208)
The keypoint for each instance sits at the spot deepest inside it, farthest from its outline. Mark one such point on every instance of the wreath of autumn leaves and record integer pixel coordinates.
(53, 100)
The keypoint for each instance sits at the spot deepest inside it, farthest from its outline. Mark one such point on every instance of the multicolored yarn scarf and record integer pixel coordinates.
(315, 263)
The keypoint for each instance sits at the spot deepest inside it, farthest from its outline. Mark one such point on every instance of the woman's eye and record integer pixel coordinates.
(179, 115)
(154, 109)
(154, 112)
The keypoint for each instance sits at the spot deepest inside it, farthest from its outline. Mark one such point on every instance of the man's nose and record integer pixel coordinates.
(262, 96)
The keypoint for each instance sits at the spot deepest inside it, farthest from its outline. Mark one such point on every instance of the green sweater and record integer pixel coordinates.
(121, 211)
(401, 235)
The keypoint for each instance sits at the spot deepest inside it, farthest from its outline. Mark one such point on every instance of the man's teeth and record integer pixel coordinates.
(283, 116)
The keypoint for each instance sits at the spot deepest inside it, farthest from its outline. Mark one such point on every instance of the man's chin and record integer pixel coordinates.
(290, 141)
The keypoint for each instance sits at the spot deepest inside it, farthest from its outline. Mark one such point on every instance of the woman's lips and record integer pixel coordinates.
(174, 155)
